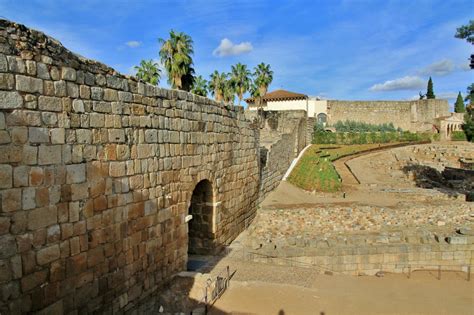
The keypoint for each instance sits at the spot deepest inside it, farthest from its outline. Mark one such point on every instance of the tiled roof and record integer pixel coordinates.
(280, 95)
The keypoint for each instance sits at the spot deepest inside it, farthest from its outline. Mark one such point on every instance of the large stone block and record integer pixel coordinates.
(42, 217)
(29, 84)
(6, 176)
(75, 173)
(7, 81)
(68, 74)
(49, 154)
(49, 103)
(48, 254)
(11, 199)
(9, 100)
(7, 246)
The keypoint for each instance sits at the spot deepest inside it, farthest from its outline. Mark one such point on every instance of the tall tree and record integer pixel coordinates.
(217, 85)
(429, 91)
(467, 32)
(176, 56)
(240, 77)
(148, 71)
(263, 77)
(459, 105)
(199, 86)
(229, 91)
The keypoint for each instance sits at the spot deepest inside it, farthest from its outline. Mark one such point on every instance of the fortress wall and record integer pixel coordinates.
(283, 136)
(409, 115)
(96, 176)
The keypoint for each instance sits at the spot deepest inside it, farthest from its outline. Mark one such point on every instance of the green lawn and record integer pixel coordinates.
(315, 170)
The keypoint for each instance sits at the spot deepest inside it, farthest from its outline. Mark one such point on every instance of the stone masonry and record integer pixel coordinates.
(283, 136)
(415, 116)
(97, 171)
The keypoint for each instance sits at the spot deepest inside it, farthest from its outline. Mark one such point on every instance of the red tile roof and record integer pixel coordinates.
(280, 95)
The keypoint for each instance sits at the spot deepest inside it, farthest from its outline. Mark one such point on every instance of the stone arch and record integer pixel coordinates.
(201, 226)
(322, 118)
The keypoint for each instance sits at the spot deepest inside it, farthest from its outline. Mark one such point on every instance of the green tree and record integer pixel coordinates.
(429, 91)
(217, 85)
(466, 32)
(148, 71)
(229, 91)
(199, 86)
(176, 56)
(263, 77)
(240, 77)
(459, 105)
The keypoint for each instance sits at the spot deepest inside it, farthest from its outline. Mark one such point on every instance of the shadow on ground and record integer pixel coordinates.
(450, 181)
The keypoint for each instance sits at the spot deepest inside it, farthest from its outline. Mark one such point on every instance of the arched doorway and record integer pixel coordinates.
(200, 227)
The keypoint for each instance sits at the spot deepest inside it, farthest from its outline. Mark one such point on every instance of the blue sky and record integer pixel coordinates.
(364, 50)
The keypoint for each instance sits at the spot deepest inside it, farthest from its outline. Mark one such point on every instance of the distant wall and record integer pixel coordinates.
(409, 115)
(282, 136)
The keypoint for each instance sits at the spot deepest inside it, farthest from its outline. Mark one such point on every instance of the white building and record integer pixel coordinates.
(286, 100)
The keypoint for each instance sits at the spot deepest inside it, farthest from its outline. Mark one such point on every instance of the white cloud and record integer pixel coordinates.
(405, 83)
(227, 48)
(133, 44)
(442, 67)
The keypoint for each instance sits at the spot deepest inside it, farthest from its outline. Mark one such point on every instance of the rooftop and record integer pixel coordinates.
(280, 95)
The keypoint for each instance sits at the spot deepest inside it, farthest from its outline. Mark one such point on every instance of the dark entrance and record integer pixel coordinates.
(200, 226)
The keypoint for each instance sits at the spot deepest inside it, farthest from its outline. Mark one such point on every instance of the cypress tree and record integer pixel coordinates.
(429, 92)
(459, 105)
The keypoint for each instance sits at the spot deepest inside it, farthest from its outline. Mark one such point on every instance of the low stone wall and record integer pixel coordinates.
(365, 260)
(395, 251)
(97, 171)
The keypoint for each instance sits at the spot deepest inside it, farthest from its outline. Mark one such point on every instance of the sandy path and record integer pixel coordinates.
(392, 294)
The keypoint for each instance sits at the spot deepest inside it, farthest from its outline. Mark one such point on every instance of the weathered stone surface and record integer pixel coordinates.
(75, 173)
(8, 246)
(6, 176)
(28, 84)
(90, 193)
(48, 254)
(9, 100)
(42, 217)
(49, 154)
(53, 104)
(68, 74)
(7, 81)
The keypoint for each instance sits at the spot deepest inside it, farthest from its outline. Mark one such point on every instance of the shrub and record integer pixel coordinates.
(354, 126)
(458, 136)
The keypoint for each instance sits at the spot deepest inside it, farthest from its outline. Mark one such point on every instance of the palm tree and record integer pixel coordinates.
(199, 86)
(148, 71)
(217, 85)
(175, 54)
(263, 77)
(240, 76)
(229, 91)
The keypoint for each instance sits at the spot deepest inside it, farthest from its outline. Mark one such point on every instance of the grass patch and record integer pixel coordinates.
(315, 170)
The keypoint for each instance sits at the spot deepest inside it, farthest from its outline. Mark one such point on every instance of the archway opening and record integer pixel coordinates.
(200, 226)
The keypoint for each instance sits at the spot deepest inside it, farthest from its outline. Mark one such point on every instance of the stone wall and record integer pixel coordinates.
(409, 115)
(97, 172)
(453, 253)
(283, 135)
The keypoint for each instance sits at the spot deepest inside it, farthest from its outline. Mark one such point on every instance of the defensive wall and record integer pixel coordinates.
(418, 115)
(283, 134)
(98, 174)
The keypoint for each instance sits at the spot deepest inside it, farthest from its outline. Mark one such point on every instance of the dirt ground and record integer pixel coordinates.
(269, 289)
(392, 294)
